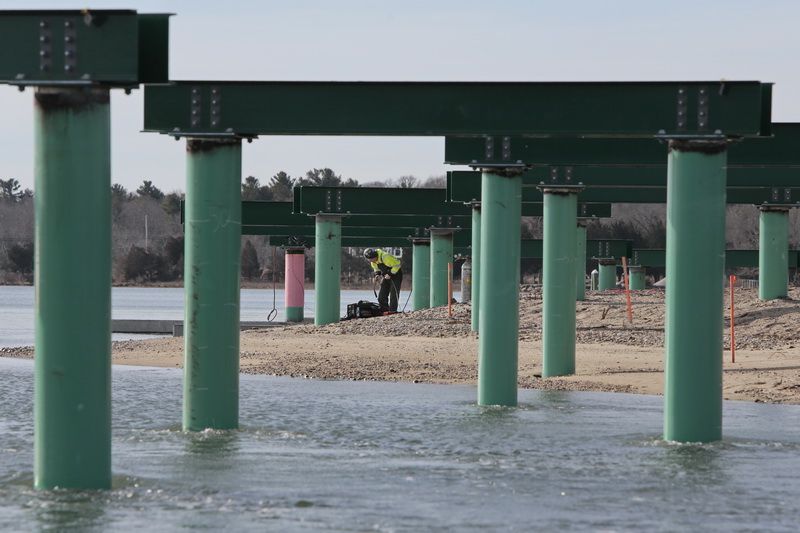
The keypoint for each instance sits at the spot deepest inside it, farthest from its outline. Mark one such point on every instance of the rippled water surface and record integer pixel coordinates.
(317, 455)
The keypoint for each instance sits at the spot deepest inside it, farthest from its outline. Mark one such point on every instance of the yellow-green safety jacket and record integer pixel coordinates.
(386, 263)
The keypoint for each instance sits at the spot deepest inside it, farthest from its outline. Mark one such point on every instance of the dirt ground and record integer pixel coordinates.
(430, 346)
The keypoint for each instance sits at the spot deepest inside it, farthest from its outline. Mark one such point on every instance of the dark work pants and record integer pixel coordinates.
(390, 292)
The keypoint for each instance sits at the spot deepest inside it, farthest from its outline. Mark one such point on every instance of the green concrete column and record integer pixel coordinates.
(773, 253)
(476, 265)
(421, 274)
(498, 343)
(328, 269)
(558, 280)
(580, 261)
(441, 254)
(636, 276)
(608, 273)
(72, 276)
(695, 270)
(213, 223)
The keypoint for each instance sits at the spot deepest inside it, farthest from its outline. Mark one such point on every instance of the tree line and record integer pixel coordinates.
(147, 235)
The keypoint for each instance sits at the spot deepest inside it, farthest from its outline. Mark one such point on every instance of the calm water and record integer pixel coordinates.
(17, 308)
(316, 455)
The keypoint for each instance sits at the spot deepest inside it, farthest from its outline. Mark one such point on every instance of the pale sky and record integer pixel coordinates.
(414, 40)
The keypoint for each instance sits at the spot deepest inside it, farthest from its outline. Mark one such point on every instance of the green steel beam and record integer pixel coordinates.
(83, 47)
(297, 194)
(779, 150)
(281, 214)
(377, 201)
(585, 210)
(532, 248)
(464, 186)
(409, 233)
(733, 258)
(461, 242)
(734, 195)
(611, 176)
(771, 176)
(643, 109)
(273, 214)
(374, 225)
(557, 151)
(649, 257)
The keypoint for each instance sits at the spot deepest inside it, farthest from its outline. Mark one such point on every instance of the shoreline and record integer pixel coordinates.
(244, 284)
(428, 346)
(755, 377)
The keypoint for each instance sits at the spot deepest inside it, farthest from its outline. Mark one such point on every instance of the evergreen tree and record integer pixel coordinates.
(9, 190)
(325, 177)
(173, 255)
(252, 190)
(147, 189)
(139, 264)
(282, 186)
(172, 203)
(249, 259)
(20, 258)
(119, 195)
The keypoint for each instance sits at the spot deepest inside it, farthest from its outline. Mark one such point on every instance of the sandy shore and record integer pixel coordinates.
(428, 346)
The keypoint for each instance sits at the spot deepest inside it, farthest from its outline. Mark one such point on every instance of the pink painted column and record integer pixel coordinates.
(295, 286)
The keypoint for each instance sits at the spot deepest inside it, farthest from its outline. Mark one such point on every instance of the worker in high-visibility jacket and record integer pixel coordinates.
(387, 269)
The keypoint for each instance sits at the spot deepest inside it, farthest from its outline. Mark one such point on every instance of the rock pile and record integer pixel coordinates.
(602, 318)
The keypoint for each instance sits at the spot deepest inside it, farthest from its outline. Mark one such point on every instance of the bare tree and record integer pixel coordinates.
(377, 184)
(16, 225)
(794, 229)
(531, 227)
(741, 227)
(435, 182)
(407, 182)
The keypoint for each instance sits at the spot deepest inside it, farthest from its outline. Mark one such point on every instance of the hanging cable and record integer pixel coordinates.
(272, 314)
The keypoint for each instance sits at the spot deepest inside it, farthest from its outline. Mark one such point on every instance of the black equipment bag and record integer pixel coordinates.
(363, 309)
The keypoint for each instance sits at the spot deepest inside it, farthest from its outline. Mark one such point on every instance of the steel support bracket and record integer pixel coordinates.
(781, 196)
(776, 207)
(560, 188)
